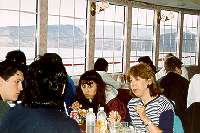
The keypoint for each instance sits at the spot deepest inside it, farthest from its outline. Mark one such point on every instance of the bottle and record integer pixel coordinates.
(90, 121)
(101, 120)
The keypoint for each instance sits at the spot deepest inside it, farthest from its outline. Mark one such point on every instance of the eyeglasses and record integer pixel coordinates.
(87, 84)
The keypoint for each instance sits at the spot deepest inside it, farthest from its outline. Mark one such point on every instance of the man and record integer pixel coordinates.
(175, 86)
(10, 84)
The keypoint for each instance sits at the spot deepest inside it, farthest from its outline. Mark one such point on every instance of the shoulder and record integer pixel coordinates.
(196, 77)
(102, 72)
(184, 69)
(164, 104)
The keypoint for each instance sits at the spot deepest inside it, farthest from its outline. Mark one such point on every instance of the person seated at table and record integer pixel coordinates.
(101, 66)
(162, 72)
(18, 57)
(91, 94)
(11, 78)
(41, 108)
(150, 111)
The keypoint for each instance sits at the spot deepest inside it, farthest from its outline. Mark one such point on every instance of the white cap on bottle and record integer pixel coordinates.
(101, 108)
(90, 110)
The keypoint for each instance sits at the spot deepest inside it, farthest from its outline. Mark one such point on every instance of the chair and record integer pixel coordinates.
(192, 118)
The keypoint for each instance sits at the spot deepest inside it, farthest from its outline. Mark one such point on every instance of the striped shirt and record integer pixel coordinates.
(153, 109)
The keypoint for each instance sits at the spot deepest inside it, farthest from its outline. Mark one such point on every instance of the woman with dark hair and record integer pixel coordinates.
(91, 94)
(150, 111)
(41, 108)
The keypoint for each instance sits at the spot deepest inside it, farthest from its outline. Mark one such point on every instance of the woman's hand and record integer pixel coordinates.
(141, 111)
(76, 106)
(114, 117)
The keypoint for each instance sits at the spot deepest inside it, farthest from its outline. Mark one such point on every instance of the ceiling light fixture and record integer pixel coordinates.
(101, 5)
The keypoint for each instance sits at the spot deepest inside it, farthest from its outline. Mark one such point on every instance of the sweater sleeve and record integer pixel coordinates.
(166, 121)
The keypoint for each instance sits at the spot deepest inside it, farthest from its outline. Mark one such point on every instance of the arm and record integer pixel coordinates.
(193, 91)
(166, 121)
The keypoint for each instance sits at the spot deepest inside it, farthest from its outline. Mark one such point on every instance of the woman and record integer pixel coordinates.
(91, 94)
(150, 111)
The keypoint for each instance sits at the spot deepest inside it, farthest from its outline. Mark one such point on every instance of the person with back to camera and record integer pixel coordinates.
(101, 66)
(43, 103)
(162, 72)
(175, 87)
(11, 78)
(149, 111)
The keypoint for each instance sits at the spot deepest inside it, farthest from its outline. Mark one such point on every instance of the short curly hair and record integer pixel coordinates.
(171, 63)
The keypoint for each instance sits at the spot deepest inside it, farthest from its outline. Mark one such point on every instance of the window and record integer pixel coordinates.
(67, 33)
(142, 34)
(190, 55)
(168, 34)
(18, 27)
(109, 37)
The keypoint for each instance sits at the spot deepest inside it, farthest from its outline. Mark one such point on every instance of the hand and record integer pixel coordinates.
(142, 113)
(114, 117)
(76, 106)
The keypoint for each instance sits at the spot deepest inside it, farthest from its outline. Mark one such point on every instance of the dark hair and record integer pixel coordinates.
(148, 61)
(16, 56)
(171, 63)
(144, 71)
(168, 55)
(101, 65)
(99, 98)
(7, 69)
(45, 81)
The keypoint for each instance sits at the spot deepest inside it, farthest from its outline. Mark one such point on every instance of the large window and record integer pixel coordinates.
(168, 34)
(190, 55)
(18, 27)
(109, 37)
(67, 32)
(142, 34)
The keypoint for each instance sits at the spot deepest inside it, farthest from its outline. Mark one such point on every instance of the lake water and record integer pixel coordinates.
(71, 56)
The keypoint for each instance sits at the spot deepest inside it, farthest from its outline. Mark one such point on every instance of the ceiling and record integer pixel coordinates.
(185, 4)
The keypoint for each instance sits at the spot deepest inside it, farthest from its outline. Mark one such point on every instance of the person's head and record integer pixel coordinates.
(148, 61)
(10, 81)
(16, 56)
(142, 81)
(173, 64)
(91, 87)
(145, 59)
(45, 83)
(101, 65)
(168, 55)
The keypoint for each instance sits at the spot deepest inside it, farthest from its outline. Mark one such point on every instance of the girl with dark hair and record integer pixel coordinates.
(91, 94)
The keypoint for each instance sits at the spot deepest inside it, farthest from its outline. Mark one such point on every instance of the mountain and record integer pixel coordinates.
(72, 36)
